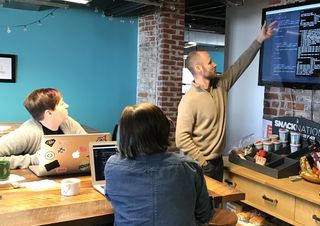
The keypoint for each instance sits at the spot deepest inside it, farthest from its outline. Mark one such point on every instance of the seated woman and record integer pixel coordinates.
(148, 185)
(49, 116)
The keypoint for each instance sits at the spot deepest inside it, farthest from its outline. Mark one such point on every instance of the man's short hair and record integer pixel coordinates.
(191, 61)
(143, 129)
(40, 100)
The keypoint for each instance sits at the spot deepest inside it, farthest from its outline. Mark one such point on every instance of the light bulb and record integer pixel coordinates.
(103, 15)
(39, 22)
(25, 28)
(110, 17)
(122, 20)
(8, 30)
(96, 10)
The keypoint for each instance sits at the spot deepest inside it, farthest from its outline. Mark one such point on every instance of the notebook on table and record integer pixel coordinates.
(100, 152)
(66, 153)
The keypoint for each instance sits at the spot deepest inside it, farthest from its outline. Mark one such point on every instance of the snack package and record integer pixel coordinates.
(244, 216)
(257, 220)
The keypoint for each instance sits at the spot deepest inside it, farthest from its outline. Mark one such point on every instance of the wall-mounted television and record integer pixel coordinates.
(291, 57)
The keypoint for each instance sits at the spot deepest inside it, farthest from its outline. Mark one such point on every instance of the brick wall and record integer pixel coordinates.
(160, 57)
(291, 102)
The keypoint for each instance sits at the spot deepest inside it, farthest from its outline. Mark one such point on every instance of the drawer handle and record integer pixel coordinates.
(272, 201)
(314, 217)
(230, 183)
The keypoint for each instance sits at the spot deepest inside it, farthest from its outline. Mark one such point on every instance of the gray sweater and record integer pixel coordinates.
(20, 146)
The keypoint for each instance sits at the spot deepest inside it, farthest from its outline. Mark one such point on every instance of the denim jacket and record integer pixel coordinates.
(164, 189)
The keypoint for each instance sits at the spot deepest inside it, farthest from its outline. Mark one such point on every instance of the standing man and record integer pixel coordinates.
(201, 122)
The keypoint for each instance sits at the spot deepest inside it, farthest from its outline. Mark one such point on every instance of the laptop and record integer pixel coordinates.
(66, 153)
(100, 152)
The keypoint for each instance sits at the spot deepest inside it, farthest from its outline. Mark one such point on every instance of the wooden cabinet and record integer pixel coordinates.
(297, 203)
(307, 213)
(266, 199)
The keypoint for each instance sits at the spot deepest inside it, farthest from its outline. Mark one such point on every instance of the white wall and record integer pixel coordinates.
(245, 108)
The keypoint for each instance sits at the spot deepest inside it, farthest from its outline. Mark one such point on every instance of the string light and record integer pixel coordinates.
(39, 22)
(26, 26)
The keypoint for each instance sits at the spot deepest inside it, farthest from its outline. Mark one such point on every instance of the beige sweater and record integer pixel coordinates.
(201, 122)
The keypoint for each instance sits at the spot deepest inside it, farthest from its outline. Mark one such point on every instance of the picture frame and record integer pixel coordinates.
(8, 68)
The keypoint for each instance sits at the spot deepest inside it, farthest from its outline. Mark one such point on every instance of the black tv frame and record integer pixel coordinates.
(309, 86)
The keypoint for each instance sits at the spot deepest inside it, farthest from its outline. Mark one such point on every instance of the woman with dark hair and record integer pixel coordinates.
(148, 185)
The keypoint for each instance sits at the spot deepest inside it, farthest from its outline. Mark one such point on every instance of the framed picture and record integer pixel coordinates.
(7, 68)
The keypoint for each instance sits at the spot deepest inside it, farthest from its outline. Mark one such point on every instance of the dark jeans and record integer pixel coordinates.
(214, 169)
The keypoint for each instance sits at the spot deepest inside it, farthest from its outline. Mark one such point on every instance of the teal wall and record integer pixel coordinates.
(90, 59)
(218, 57)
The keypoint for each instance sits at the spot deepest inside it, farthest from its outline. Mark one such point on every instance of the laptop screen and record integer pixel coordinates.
(101, 154)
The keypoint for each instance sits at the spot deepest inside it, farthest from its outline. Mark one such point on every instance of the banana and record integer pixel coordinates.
(306, 171)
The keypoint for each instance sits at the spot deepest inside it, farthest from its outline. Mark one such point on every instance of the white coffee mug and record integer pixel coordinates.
(70, 186)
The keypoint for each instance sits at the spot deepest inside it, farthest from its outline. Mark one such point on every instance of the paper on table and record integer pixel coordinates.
(40, 185)
(12, 178)
(3, 128)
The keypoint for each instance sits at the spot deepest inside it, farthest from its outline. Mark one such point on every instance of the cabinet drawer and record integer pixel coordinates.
(307, 213)
(267, 199)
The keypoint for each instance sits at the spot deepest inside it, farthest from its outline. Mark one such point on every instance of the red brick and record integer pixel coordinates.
(270, 111)
(282, 112)
(167, 62)
(164, 46)
(143, 95)
(286, 97)
(176, 89)
(166, 94)
(168, 104)
(295, 106)
(177, 37)
(271, 96)
(162, 77)
(168, 21)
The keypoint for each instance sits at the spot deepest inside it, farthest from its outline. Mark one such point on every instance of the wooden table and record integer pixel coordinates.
(7, 127)
(26, 207)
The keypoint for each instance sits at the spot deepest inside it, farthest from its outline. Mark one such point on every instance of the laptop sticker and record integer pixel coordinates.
(76, 154)
(50, 142)
(103, 138)
(62, 150)
(83, 149)
(84, 166)
(52, 165)
(49, 155)
(61, 170)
